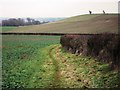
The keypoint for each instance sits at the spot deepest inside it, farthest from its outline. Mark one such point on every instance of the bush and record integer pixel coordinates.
(69, 42)
(74, 43)
(105, 47)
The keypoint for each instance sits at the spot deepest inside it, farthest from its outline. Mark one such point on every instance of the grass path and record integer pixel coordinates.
(73, 71)
(57, 81)
(65, 75)
(51, 67)
(65, 71)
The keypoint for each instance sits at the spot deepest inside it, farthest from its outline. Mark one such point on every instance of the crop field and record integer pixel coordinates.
(34, 61)
(7, 28)
(22, 59)
(92, 24)
(39, 61)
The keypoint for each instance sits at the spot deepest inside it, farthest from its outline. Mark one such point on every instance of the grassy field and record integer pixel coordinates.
(23, 60)
(7, 28)
(34, 61)
(82, 72)
(39, 62)
(96, 23)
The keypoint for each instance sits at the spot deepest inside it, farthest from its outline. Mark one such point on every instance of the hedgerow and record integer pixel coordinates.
(104, 47)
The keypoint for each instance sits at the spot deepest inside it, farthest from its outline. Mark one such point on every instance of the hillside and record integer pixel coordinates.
(96, 23)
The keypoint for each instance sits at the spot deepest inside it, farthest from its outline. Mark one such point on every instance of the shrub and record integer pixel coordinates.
(74, 43)
(70, 42)
(105, 47)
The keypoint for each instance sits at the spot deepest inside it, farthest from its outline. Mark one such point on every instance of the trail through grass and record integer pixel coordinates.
(34, 64)
(82, 72)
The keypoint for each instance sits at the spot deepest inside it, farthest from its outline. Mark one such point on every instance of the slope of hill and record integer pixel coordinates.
(96, 23)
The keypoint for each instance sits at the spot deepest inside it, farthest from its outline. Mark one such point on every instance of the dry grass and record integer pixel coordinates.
(97, 23)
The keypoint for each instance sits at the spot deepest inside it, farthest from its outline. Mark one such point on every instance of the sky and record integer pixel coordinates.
(55, 8)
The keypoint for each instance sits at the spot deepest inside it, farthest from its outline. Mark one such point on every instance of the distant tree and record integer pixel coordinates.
(29, 19)
(4, 23)
(13, 22)
(10, 22)
(19, 22)
(37, 22)
(34, 22)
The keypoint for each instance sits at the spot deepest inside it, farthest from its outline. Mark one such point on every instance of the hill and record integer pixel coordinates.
(96, 23)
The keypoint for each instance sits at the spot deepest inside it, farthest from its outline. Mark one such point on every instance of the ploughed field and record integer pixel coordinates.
(34, 61)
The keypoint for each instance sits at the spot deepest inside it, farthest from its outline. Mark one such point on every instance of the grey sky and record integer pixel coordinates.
(55, 8)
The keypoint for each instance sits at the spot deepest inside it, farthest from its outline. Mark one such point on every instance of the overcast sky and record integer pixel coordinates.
(55, 8)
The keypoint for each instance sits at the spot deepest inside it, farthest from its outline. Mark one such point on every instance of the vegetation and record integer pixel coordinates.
(20, 22)
(7, 28)
(40, 62)
(23, 61)
(34, 61)
(83, 72)
(104, 47)
(13, 22)
(83, 24)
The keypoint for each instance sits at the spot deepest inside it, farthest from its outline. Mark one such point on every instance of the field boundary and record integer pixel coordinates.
(54, 34)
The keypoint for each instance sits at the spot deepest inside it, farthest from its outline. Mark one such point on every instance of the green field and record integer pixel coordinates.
(90, 24)
(7, 28)
(31, 61)
(38, 61)
(23, 60)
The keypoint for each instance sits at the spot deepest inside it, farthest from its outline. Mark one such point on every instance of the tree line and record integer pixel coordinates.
(21, 22)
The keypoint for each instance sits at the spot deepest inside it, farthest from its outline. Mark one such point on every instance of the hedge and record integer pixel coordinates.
(104, 47)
